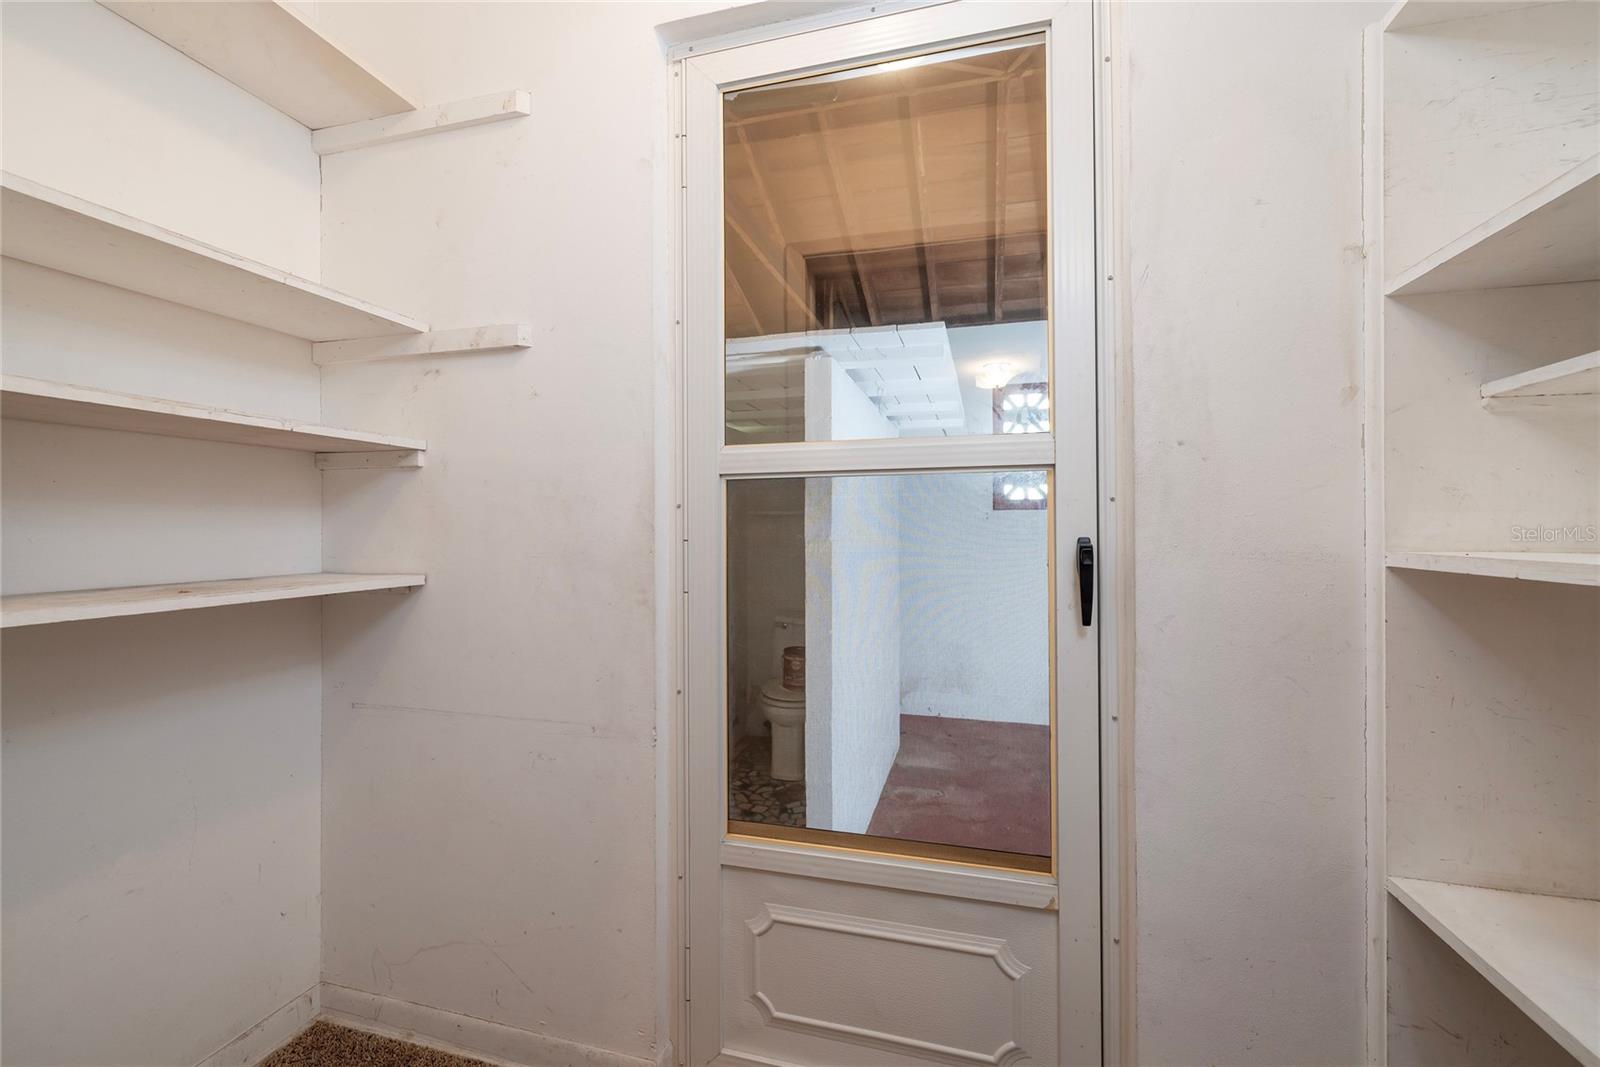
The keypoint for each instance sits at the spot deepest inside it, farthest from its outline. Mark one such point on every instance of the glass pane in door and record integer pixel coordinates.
(889, 662)
(886, 252)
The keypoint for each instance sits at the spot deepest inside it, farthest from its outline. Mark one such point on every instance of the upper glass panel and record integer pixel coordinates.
(886, 252)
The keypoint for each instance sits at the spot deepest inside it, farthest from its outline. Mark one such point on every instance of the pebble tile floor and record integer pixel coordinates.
(754, 795)
(326, 1045)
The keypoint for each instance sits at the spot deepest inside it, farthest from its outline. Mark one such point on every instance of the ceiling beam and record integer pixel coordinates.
(750, 306)
(917, 161)
(768, 205)
(764, 259)
(847, 218)
(1002, 140)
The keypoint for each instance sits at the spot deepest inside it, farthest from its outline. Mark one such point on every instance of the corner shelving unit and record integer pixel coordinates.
(53, 229)
(273, 51)
(1484, 705)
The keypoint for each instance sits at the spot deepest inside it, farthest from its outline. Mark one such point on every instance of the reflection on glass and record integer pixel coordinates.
(885, 254)
(888, 660)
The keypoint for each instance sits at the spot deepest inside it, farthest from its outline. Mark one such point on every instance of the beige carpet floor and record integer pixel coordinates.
(327, 1045)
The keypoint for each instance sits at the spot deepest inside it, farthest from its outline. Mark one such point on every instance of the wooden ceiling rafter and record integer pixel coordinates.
(849, 222)
(917, 189)
(1015, 66)
(741, 230)
(1036, 169)
(744, 299)
(762, 192)
(1001, 94)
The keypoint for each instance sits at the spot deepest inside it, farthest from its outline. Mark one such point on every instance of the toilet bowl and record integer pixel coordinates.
(785, 711)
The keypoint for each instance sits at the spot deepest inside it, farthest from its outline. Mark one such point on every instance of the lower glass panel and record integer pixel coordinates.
(889, 662)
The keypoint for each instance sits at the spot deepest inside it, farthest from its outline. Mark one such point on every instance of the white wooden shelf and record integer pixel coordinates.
(1550, 236)
(63, 232)
(1567, 568)
(35, 400)
(272, 52)
(38, 609)
(1542, 952)
(1571, 381)
(1414, 14)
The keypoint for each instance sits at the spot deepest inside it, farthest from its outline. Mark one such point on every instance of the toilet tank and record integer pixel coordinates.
(787, 630)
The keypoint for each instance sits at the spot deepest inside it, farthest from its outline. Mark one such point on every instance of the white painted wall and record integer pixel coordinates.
(974, 602)
(161, 774)
(491, 834)
(161, 811)
(852, 568)
(1245, 232)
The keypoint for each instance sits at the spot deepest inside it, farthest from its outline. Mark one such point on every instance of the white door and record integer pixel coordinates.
(892, 677)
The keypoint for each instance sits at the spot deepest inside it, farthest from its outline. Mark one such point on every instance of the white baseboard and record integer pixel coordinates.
(268, 1035)
(463, 1035)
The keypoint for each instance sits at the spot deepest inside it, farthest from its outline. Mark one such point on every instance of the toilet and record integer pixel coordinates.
(784, 706)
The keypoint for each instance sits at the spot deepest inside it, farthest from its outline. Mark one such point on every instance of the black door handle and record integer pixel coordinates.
(1086, 580)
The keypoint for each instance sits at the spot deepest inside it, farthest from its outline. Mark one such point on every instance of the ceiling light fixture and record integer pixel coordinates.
(994, 375)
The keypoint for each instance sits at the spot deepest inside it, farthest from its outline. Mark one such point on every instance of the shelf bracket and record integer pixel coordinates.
(458, 115)
(369, 461)
(438, 343)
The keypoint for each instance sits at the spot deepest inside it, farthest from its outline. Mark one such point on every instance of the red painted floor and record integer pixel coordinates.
(969, 782)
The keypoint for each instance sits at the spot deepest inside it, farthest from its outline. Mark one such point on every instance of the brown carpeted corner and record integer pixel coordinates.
(327, 1045)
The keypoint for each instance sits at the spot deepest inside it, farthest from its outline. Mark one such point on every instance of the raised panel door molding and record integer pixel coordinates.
(914, 989)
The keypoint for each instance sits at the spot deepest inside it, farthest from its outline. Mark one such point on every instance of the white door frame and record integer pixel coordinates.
(1086, 889)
